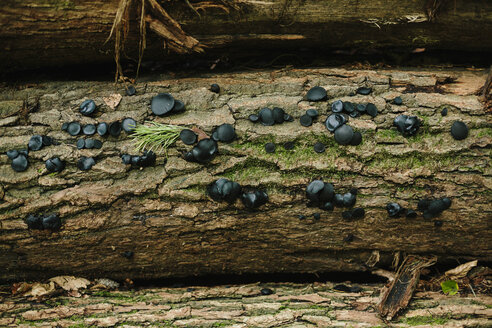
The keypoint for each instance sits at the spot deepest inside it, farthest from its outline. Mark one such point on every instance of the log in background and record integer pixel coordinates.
(163, 215)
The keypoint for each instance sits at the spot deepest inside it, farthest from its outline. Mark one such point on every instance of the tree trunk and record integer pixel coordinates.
(37, 34)
(164, 216)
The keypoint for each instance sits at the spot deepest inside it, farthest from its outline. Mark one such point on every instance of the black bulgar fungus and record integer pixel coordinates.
(372, 110)
(85, 163)
(334, 121)
(348, 107)
(306, 120)
(394, 209)
(87, 107)
(215, 88)
(162, 104)
(266, 116)
(34, 222)
(459, 130)
(337, 106)
(316, 94)
(52, 222)
(127, 254)
(20, 163)
(354, 114)
(205, 150)
(115, 129)
(436, 207)
(54, 164)
(270, 147)
(11, 154)
(438, 223)
(135, 161)
(97, 144)
(130, 90)
(64, 126)
(319, 147)
(446, 202)
(423, 204)
(35, 143)
(407, 125)
(288, 118)
(364, 91)
(338, 200)
(289, 145)
(317, 216)
(398, 101)
(74, 128)
(361, 108)
(188, 156)
(128, 125)
(147, 159)
(224, 190)
(253, 118)
(349, 199)
(89, 129)
(358, 213)
(266, 291)
(24, 152)
(319, 192)
(126, 159)
(444, 112)
(348, 239)
(344, 134)
(89, 143)
(102, 129)
(47, 141)
(179, 107)
(188, 137)
(347, 215)
(225, 133)
(411, 214)
(254, 199)
(313, 113)
(356, 139)
(80, 144)
(278, 115)
(328, 206)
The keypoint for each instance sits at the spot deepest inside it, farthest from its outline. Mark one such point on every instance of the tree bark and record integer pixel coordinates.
(37, 34)
(164, 216)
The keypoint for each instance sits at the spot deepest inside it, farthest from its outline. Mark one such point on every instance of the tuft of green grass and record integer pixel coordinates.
(155, 136)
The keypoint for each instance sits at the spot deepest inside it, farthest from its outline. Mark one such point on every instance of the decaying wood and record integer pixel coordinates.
(64, 32)
(164, 216)
(291, 305)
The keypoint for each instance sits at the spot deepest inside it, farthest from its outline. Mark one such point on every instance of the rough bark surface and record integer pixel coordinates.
(164, 216)
(239, 306)
(37, 33)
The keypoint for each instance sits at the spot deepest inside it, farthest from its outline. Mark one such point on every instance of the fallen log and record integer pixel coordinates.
(163, 215)
(56, 33)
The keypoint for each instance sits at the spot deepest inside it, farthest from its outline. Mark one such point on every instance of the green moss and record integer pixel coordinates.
(487, 132)
(425, 320)
(388, 134)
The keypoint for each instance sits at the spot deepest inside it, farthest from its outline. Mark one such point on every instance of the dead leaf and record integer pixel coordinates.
(461, 270)
(38, 289)
(113, 100)
(70, 282)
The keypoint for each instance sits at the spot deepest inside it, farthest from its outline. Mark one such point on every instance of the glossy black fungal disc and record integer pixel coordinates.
(188, 156)
(344, 134)
(52, 222)
(115, 129)
(394, 209)
(306, 120)
(444, 112)
(356, 139)
(397, 101)
(407, 125)
(319, 147)
(314, 189)
(334, 121)
(47, 141)
(188, 137)
(347, 215)
(215, 88)
(34, 222)
(20, 163)
(64, 126)
(348, 107)
(128, 125)
(135, 160)
(288, 118)
(85, 163)
(162, 104)
(35, 143)
(97, 144)
(126, 159)
(313, 113)
(459, 130)
(205, 150)
(253, 118)
(423, 204)
(266, 291)
(254, 199)
(278, 115)
(354, 114)
(230, 191)
(338, 200)
(349, 199)
(215, 189)
(226, 133)
(12, 154)
(326, 194)
(130, 91)
(270, 147)
(87, 107)
(316, 94)
(289, 145)
(361, 108)
(54, 164)
(266, 116)
(358, 213)
(447, 202)
(89, 143)
(24, 152)
(179, 106)
(436, 206)
(80, 144)
(74, 128)
(372, 110)
(337, 106)
(102, 129)
(364, 91)
(89, 129)
(411, 214)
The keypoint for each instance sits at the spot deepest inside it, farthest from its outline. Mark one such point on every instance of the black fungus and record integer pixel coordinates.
(459, 130)
(97, 144)
(356, 139)
(130, 91)
(372, 110)
(147, 159)
(266, 291)
(361, 108)
(337, 106)
(224, 190)
(436, 207)
(317, 216)
(348, 107)
(319, 192)
(47, 141)
(12, 154)
(253, 118)
(411, 214)
(266, 116)
(328, 206)
(85, 163)
(89, 129)
(306, 120)
(288, 118)
(24, 152)
(127, 254)
(444, 112)
(364, 91)
(446, 202)
(353, 191)
(188, 136)
(344, 134)
(347, 215)
(179, 107)
(20, 163)
(74, 128)
(254, 199)
(162, 104)
(438, 223)
(319, 147)
(354, 114)
(348, 239)
(128, 124)
(126, 159)
(64, 126)
(80, 144)
(334, 121)
(313, 113)
(278, 115)
(115, 129)
(89, 143)
(204, 151)
(215, 88)
(102, 129)
(407, 125)
(397, 101)
(423, 204)
(87, 107)
(358, 213)
(225, 133)
(51, 222)
(34, 222)
(394, 209)
(289, 145)
(54, 164)
(270, 147)
(427, 215)
(338, 200)
(316, 94)
(349, 199)
(35, 143)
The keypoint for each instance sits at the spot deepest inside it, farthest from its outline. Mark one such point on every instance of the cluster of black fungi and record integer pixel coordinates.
(164, 103)
(20, 160)
(207, 148)
(103, 129)
(226, 190)
(147, 159)
(43, 222)
(431, 208)
(268, 117)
